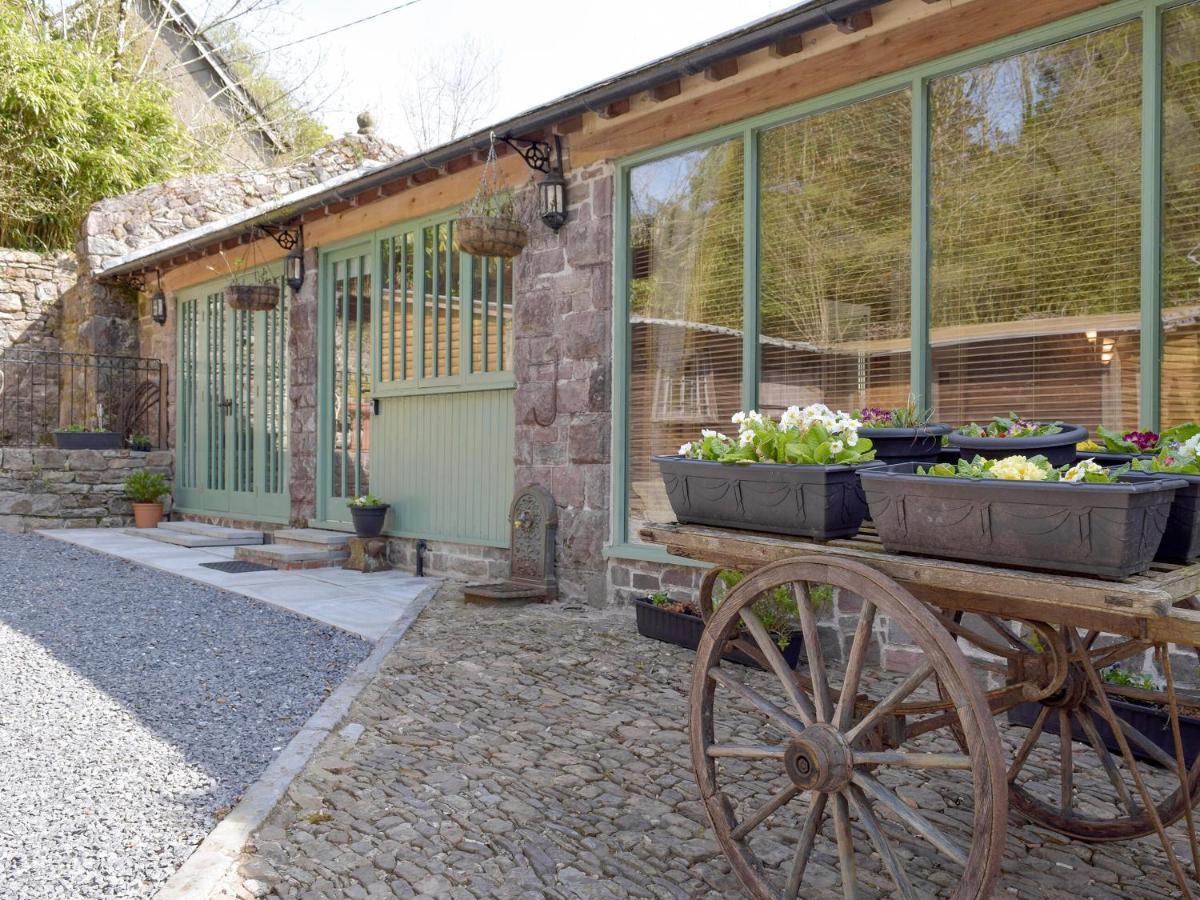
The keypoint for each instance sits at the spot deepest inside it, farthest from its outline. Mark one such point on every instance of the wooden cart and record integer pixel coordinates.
(834, 732)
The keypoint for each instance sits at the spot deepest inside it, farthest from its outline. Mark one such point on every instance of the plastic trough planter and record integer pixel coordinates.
(368, 520)
(684, 630)
(822, 502)
(1105, 458)
(1102, 530)
(896, 445)
(87, 440)
(1181, 539)
(1058, 448)
(1152, 721)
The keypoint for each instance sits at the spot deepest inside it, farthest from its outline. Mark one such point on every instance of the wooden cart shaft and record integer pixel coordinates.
(1155, 605)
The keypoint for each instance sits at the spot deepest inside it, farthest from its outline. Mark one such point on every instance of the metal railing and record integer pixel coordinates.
(43, 391)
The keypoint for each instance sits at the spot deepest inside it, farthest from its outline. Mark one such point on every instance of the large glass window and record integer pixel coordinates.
(835, 242)
(685, 305)
(1181, 215)
(1035, 206)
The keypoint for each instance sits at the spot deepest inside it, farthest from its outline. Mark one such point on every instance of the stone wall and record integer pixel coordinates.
(562, 357)
(70, 488)
(302, 393)
(31, 285)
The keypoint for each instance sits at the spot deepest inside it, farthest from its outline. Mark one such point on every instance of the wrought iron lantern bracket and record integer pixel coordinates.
(134, 281)
(285, 236)
(538, 155)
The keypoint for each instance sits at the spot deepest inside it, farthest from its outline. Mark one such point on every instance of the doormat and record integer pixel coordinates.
(237, 566)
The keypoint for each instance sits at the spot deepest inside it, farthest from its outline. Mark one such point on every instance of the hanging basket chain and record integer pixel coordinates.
(486, 226)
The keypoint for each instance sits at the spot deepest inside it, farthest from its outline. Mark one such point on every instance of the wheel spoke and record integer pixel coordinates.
(1066, 762)
(1016, 640)
(1110, 768)
(760, 815)
(808, 837)
(854, 666)
(1035, 732)
(869, 822)
(779, 666)
(845, 844)
(912, 760)
(1139, 740)
(874, 789)
(891, 701)
(761, 703)
(814, 652)
(745, 751)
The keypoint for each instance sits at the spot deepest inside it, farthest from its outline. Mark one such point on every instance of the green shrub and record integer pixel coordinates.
(144, 486)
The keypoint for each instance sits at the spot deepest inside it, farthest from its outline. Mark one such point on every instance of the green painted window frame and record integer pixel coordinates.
(917, 79)
(464, 379)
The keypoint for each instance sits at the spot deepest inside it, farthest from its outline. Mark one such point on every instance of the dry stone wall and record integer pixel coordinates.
(31, 285)
(47, 488)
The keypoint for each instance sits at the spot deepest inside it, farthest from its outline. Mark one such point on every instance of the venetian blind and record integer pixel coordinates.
(1181, 215)
(1035, 208)
(835, 238)
(685, 302)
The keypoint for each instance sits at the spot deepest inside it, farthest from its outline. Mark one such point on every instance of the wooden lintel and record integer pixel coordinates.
(313, 215)
(616, 108)
(721, 70)
(788, 46)
(394, 187)
(569, 126)
(666, 91)
(857, 22)
(459, 164)
(341, 206)
(425, 176)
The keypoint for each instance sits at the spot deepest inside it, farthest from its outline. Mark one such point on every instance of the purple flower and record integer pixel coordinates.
(1145, 440)
(873, 415)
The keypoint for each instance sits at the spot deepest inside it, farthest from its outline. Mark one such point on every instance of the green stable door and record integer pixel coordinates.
(232, 427)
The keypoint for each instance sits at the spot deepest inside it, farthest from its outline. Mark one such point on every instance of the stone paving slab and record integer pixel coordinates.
(539, 752)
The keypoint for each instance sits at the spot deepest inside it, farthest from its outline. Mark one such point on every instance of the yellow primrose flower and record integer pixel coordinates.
(1017, 468)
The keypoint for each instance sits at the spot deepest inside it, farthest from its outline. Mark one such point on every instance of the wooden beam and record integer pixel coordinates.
(341, 206)
(569, 126)
(425, 176)
(616, 108)
(721, 70)
(857, 22)
(459, 164)
(666, 91)
(394, 187)
(788, 46)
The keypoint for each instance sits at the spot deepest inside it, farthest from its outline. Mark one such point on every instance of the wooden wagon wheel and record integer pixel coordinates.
(762, 743)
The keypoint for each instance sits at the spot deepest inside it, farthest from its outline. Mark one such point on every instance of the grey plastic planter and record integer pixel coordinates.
(1181, 539)
(822, 502)
(1105, 458)
(87, 440)
(368, 520)
(1103, 530)
(897, 445)
(1058, 448)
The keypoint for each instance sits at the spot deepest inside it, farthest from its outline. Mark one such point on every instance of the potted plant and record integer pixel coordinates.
(368, 513)
(1022, 511)
(1114, 448)
(140, 443)
(490, 224)
(1011, 434)
(80, 437)
(145, 489)
(1149, 719)
(795, 476)
(903, 434)
(680, 623)
(1181, 538)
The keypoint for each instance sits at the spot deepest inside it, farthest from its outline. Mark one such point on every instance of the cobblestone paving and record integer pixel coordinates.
(540, 752)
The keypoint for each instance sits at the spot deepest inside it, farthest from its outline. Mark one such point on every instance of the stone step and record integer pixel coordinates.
(287, 556)
(188, 539)
(311, 537)
(207, 530)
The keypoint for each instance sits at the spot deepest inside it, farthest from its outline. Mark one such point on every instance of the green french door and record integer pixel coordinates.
(344, 336)
(232, 426)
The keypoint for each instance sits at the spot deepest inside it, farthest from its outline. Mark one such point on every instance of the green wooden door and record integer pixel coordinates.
(344, 395)
(232, 425)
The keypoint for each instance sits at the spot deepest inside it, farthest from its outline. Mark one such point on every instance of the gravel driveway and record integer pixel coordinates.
(135, 707)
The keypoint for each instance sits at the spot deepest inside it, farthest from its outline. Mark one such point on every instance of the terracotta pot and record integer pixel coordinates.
(147, 515)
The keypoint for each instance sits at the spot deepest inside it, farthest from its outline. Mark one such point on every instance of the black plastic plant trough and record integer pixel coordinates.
(897, 445)
(1058, 448)
(1181, 538)
(1103, 530)
(822, 502)
(684, 630)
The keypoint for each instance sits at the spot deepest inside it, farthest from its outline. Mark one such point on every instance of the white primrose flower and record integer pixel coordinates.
(1190, 447)
(738, 418)
(746, 438)
(836, 447)
(685, 449)
(792, 418)
(852, 439)
(1081, 470)
(708, 433)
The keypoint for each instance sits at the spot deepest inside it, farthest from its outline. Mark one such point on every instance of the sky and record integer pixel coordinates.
(535, 52)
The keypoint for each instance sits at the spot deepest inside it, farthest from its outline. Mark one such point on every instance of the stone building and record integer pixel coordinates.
(803, 209)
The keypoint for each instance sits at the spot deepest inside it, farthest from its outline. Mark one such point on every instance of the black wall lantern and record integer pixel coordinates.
(290, 239)
(552, 189)
(293, 271)
(158, 303)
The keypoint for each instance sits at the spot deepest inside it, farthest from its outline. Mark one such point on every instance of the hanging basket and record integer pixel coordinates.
(490, 236)
(252, 297)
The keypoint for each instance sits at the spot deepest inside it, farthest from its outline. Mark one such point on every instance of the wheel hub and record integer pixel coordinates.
(819, 759)
(1073, 692)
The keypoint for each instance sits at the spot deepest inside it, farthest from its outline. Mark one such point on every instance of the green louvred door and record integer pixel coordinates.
(232, 426)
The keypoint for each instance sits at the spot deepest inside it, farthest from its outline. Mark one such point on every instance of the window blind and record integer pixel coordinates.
(835, 238)
(1181, 215)
(685, 310)
(1035, 210)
